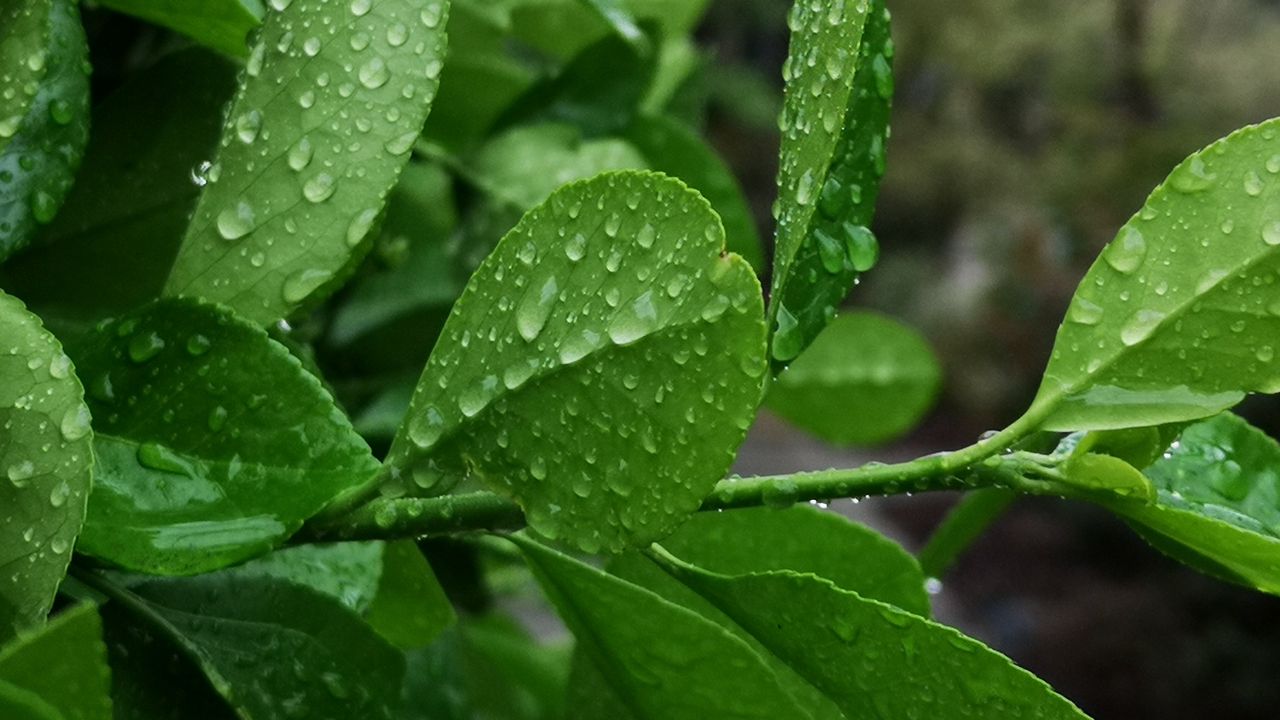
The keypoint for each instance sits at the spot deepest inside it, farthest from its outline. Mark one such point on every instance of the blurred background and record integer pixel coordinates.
(1025, 133)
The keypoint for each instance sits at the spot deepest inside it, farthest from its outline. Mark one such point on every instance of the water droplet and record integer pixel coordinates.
(75, 422)
(60, 366)
(401, 144)
(21, 471)
(59, 494)
(535, 308)
(634, 321)
(248, 125)
(1084, 312)
(397, 34)
(1140, 326)
(374, 74)
(300, 154)
(646, 236)
(1252, 184)
(360, 225)
(319, 188)
(1271, 232)
(862, 247)
(830, 251)
(236, 222)
(198, 345)
(144, 346)
(804, 188)
(576, 247)
(302, 283)
(787, 338)
(611, 224)
(43, 206)
(426, 428)
(1126, 253)
(1192, 176)
(360, 7)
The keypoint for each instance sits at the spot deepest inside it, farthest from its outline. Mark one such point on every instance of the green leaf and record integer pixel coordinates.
(223, 25)
(964, 523)
(333, 96)
(1178, 317)
(271, 648)
(835, 122)
(1093, 473)
(349, 572)
(18, 704)
(44, 119)
(64, 664)
(1217, 506)
(870, 658)
(804, 540)
(866, 380)
(509, 674)
(46, 459)
(664, 661)
(525, 164)
(800, 539)
(410, 608)
(127, 212)
(214, 444)
(601, 367)
(678, 151)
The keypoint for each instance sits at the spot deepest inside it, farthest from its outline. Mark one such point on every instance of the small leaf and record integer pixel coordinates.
(601, 367)
(46, 458)
(349, 572)
(509, 674)
(866, 380)
(222, 25)
(1218, 502)
(64, 664)
(665, 661)
(1177, 319)
(410, 608)
(678, 151)
(835, 122)
(872, 659)
(214, 443)
(271, 648)
(127, 212)
(44, 117)
(332, 98)
(1094, 473)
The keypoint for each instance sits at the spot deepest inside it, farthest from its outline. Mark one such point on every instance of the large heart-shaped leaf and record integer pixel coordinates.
(1178, 318)
(64, 664)
(127, 212)
(272, 649)
(46, 456)
(1217, 505)
(665, 662)
(223, 25)
(44, 118)
(214, 444)
(835, 122)
(601, 367)
(332, 98)
(865, 380)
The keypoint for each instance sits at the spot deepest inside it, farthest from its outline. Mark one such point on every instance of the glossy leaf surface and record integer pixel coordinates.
(600, 368)
(250, 636)
(332, 98)
(1218, 502)
(132, 198)
(866, 379)
(223, 25)
(46, 458)
(64, 664)
(214, 444)
(834, 126)
(1178, 318)
(664, 661)
(44, 110)
(869, 658)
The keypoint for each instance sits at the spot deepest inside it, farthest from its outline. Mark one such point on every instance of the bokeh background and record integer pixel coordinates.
(1025, 133)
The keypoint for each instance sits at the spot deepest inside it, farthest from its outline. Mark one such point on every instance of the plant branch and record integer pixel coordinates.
(973, 467)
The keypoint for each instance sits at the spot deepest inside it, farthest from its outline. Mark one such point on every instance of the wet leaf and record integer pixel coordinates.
(409, 608)
(44, 88)
(1217, 506)
(132, 198)
(869, 658)
(601, 367)
(865, 380)
(1106, 475)
(19, 704)
(835, 122)
(64, 664)
(332, 98)
(1177, 319)
(667, 662)
(678, 151)
(46, 456)
(800, 539)
(271, 648)
(214, 444)
(223, 25)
